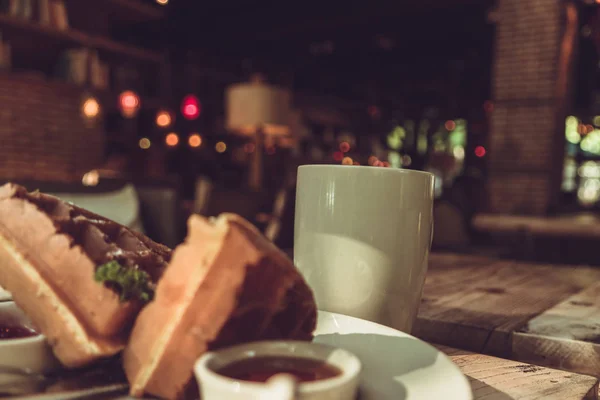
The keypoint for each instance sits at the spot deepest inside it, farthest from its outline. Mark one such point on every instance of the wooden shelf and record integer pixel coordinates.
(22, 32)
(125, 11)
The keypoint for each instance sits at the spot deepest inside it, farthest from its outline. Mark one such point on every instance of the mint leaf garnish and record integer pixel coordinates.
(132, 283)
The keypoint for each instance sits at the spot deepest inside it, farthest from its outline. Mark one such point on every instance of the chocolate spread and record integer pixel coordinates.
(101, 239)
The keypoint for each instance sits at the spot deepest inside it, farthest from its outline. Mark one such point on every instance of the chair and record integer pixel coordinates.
(160, 210)
(149, 207)
(121, 206)
(273, 228)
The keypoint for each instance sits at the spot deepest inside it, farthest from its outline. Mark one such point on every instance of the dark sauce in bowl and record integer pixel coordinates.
(16, 332)
(260, 369)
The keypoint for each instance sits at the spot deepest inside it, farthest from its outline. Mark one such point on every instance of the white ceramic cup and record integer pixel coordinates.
(362, 237)
(214, 386)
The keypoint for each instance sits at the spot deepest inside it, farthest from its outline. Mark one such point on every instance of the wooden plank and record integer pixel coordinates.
(583, 225)
(566, 336)
(475, 303)
(494, 378)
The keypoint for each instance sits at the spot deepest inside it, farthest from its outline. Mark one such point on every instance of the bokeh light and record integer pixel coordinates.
(129, 103)
(395, 159)
(91, 178)
(90, 108)
(190, 107)
(344, 147)
(145, 143)
(195, 140)
(459, 152)
(172, 139)
(395, 139)
(591, 142)
(220, 147)
(338, 156)
(450, 125)
(347, 161)
(163, 119)
(480, 151)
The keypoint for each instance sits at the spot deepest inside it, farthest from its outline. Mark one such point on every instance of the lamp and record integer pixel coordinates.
(257, 109)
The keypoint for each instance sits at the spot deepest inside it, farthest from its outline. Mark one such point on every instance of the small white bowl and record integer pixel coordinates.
(214, 386)
(28, 354)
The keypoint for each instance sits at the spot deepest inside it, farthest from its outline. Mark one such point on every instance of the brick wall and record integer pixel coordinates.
(42, 133)
(524, 130)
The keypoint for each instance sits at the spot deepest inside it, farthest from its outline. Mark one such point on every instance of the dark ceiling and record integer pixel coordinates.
(370, 51)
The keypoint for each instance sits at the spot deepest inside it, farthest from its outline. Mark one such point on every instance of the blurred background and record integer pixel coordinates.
(149, 110)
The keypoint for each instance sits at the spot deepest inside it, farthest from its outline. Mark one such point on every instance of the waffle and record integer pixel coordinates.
(225, 285)
(49, 251)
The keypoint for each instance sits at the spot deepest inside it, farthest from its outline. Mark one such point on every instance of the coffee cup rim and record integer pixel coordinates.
(384, 170)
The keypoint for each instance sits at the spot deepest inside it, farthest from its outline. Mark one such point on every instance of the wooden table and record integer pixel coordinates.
(542, 314)
(494, 378)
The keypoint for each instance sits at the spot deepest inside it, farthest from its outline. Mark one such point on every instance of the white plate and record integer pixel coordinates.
(395, 365)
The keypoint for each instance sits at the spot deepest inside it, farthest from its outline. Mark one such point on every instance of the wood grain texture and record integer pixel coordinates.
(494, 378)
(566, 336)
(476, 303)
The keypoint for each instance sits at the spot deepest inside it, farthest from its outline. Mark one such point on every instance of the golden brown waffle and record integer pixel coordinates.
(49, 250)
(238, 288)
